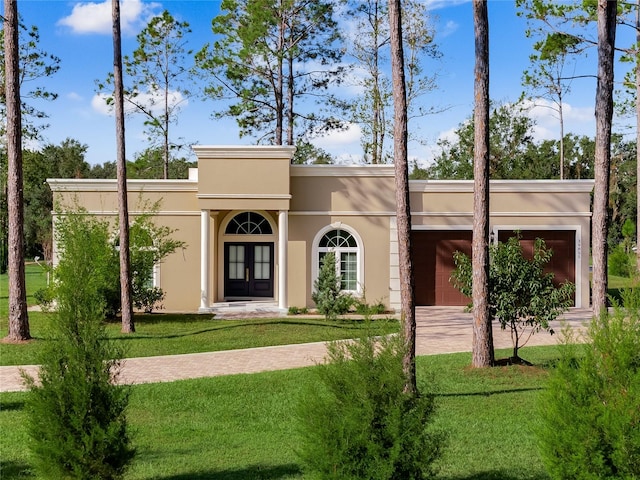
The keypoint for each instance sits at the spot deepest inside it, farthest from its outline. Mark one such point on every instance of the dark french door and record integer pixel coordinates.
(248, 269)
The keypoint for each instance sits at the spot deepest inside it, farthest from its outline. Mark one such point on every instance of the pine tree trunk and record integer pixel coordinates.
(482, 348)
(638, 136)
(121, 173)
(604, 113)
(18, 317)
(403, 209)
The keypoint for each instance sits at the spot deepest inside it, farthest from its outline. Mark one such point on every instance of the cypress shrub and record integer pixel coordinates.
(590, 410)
(327, 294)
(76, 414)
(356, 422)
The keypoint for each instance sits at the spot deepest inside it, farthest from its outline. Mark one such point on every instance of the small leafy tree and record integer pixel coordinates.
(521, 296)
(590, 409)
(76, 412)
(150, 244)
(357, 422)
(328, 295)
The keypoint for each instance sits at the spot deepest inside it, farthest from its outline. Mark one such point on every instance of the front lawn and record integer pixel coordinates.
(241, 427)
(171, 334)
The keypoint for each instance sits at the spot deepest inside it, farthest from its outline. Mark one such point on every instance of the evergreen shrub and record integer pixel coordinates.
(356, 422)
(621, 262)
(327, 295)
(590, 410)
(76, 413)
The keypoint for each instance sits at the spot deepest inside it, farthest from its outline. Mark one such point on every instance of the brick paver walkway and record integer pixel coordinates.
(439, 330)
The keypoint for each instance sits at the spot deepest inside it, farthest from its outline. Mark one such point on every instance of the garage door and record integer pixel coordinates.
(561, 242)
(432, 257)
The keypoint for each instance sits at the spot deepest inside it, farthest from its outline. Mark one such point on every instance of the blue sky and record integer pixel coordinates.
(80, 34)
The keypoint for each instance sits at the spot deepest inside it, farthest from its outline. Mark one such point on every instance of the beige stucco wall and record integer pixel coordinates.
(360, 199)
(177, 209)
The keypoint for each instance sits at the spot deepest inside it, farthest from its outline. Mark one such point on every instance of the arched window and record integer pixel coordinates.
(348, 262)
(248, 223)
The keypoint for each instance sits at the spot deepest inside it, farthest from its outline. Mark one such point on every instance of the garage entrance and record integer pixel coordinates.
(432, 256)
(561, 242)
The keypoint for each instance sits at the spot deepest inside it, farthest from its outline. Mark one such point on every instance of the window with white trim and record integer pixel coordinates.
(345, 247)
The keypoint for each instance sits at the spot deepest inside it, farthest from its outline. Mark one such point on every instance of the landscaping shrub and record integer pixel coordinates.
(149, 245)
(327, 295)
(522, 297)
(590, 410)
(356, 422)
(76, 415)
(621, 262)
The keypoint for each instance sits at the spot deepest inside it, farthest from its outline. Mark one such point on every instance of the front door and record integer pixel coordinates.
(248, 270)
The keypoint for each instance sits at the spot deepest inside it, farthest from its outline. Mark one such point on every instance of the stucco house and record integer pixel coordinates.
(256, 228)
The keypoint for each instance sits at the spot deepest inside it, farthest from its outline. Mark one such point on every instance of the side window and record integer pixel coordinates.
(347, 252)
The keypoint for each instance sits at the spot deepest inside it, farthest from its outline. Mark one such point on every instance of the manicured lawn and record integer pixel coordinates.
(35, 278)
(241, 427)
(169, 334)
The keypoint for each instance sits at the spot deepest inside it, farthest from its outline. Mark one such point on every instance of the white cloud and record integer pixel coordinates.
(75, 97)
(578, 120)
(94, 17)
(339, 138)
(449, 28)
(153, 101)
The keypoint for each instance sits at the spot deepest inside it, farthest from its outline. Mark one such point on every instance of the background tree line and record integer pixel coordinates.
(67, 160)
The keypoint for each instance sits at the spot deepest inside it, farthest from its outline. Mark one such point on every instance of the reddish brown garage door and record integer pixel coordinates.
(432, 257)
(561, 242)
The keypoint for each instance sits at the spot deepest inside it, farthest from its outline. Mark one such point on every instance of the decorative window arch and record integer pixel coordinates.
(248, 223)
(347, 246)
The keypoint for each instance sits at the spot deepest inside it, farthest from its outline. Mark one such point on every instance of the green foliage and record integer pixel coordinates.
(149, 245)
(258, 65)
(297, 311)
(36, 66)
(521, 296)
(327, 294)
(45, 298)
(366, 309)
(590, 410)
(157, 66)
(66, 160)
(510, 139)
(356, 422)
(76, 415)
(308, 153)
(621, 262)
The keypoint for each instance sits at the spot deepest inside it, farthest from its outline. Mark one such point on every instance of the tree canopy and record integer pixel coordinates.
(273, 63)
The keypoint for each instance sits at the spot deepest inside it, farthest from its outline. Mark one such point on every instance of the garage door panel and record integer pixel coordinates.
(432, 257)
(561, 243)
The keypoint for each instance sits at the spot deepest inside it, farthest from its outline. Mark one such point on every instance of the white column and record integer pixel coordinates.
(283, 241)
(204, 259)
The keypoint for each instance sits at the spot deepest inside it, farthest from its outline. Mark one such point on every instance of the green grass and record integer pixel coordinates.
(35, 278)
(171, 334)
(240, 427)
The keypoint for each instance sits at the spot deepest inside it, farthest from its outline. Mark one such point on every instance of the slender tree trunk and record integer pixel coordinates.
(638, 136)
(403, 208)
(482, 348)
(165, 152)
(290, 96)
(561, 115)
(604, 114)
(279, 97)
(18, 316)
(121, 172)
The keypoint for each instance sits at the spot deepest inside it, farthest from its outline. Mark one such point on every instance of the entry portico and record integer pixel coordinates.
(253, 186)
